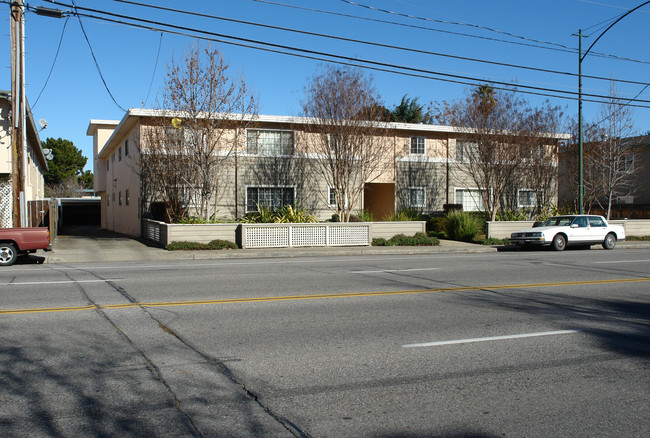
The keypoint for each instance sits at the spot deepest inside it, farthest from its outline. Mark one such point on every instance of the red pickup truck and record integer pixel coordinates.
(20, 241)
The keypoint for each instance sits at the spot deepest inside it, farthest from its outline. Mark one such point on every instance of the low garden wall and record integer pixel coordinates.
(503, 229)
(279, 235)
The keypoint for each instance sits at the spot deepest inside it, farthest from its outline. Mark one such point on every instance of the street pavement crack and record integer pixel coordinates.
(151, 366)
(221, 366)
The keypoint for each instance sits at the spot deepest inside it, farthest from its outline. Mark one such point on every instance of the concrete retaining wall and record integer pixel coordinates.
(163, 234)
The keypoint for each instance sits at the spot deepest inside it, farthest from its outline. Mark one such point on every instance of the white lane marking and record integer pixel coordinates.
(491, 338)
(621, 261)
(23, 283)
(394, 270)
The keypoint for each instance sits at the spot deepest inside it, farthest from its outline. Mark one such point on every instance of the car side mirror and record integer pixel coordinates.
(574, 225)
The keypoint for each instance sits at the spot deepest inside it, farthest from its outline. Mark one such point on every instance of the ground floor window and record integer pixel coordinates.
(471, 199)
(416, 197)
(273, 198)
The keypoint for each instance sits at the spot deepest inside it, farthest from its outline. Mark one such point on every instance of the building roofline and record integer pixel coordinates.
(94, 123)
(134, 113)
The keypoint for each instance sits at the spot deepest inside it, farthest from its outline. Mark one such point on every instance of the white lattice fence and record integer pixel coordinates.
(6, 219)
(339, 235)
(295, 235)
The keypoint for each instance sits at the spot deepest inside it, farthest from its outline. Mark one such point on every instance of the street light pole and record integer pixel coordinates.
(581, 187)
(581, 57)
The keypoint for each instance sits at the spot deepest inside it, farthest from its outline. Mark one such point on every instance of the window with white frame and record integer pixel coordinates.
(269, 142)
(470, 199)
(628, 163)
(416, 197)
(273, 198)
(418, 145)
(526, 198)
(465, 149)
(332, 197)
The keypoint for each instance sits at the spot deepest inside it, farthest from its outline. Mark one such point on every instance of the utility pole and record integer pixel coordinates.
(581, 57)
(18, 112)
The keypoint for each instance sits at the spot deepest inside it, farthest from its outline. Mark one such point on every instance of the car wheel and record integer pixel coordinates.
(8, 254)
(559, 242)
(609, 242)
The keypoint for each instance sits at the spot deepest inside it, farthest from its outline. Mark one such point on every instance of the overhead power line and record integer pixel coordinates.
(317, 55)
(558, 48)
(56, 56)
(371, 43)
(92, 52)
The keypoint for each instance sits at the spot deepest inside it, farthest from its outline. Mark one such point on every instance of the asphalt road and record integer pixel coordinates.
(530, 343)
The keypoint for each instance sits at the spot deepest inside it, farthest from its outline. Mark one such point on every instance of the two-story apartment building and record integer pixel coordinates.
(269, 166)
(36, 163)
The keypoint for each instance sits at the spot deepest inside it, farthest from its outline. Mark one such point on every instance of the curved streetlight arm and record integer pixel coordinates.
(610, 26)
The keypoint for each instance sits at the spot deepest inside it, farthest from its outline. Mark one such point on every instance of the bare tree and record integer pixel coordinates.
(349, 132)
(210, 111)
(614, 153)
(68, 188)
(540, 148)
(165, 168)
(490, 123)
(611, 156)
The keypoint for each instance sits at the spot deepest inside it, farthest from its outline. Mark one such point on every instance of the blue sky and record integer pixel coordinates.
(506, 31)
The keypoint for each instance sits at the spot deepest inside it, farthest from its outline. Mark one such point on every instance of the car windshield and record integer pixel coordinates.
(560, 221)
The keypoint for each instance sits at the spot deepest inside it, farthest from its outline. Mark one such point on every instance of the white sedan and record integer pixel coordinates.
(560, 231)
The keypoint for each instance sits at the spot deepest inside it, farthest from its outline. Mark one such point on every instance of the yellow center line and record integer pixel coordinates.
(323, 296)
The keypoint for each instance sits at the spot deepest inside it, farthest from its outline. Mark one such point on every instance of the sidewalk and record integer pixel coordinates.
(109, 247)
(105, 246)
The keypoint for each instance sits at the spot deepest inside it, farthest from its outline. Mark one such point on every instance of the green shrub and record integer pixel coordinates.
(463, 226)
(437, 234)
(419, 239)
(212, 245)
(494, 241)
(638, 238)
(366, 216)
(285, 215)
(512, 215)
(405, 215)
(437, 224)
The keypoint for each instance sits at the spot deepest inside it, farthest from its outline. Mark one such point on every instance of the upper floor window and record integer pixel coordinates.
(126, 148)
(119, 153)
(418, 145)
(465, 150)
(269, 142)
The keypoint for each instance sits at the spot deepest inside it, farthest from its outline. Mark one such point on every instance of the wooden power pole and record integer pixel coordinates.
(18, 111)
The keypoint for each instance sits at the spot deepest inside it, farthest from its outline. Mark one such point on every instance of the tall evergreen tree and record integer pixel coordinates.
(68, 161)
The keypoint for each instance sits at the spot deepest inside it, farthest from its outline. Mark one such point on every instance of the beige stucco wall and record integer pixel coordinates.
(35, 169)
(5, 138)
(116, 177)
(436, 169)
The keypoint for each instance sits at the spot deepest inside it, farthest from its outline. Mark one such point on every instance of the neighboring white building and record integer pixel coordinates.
(36, 163)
